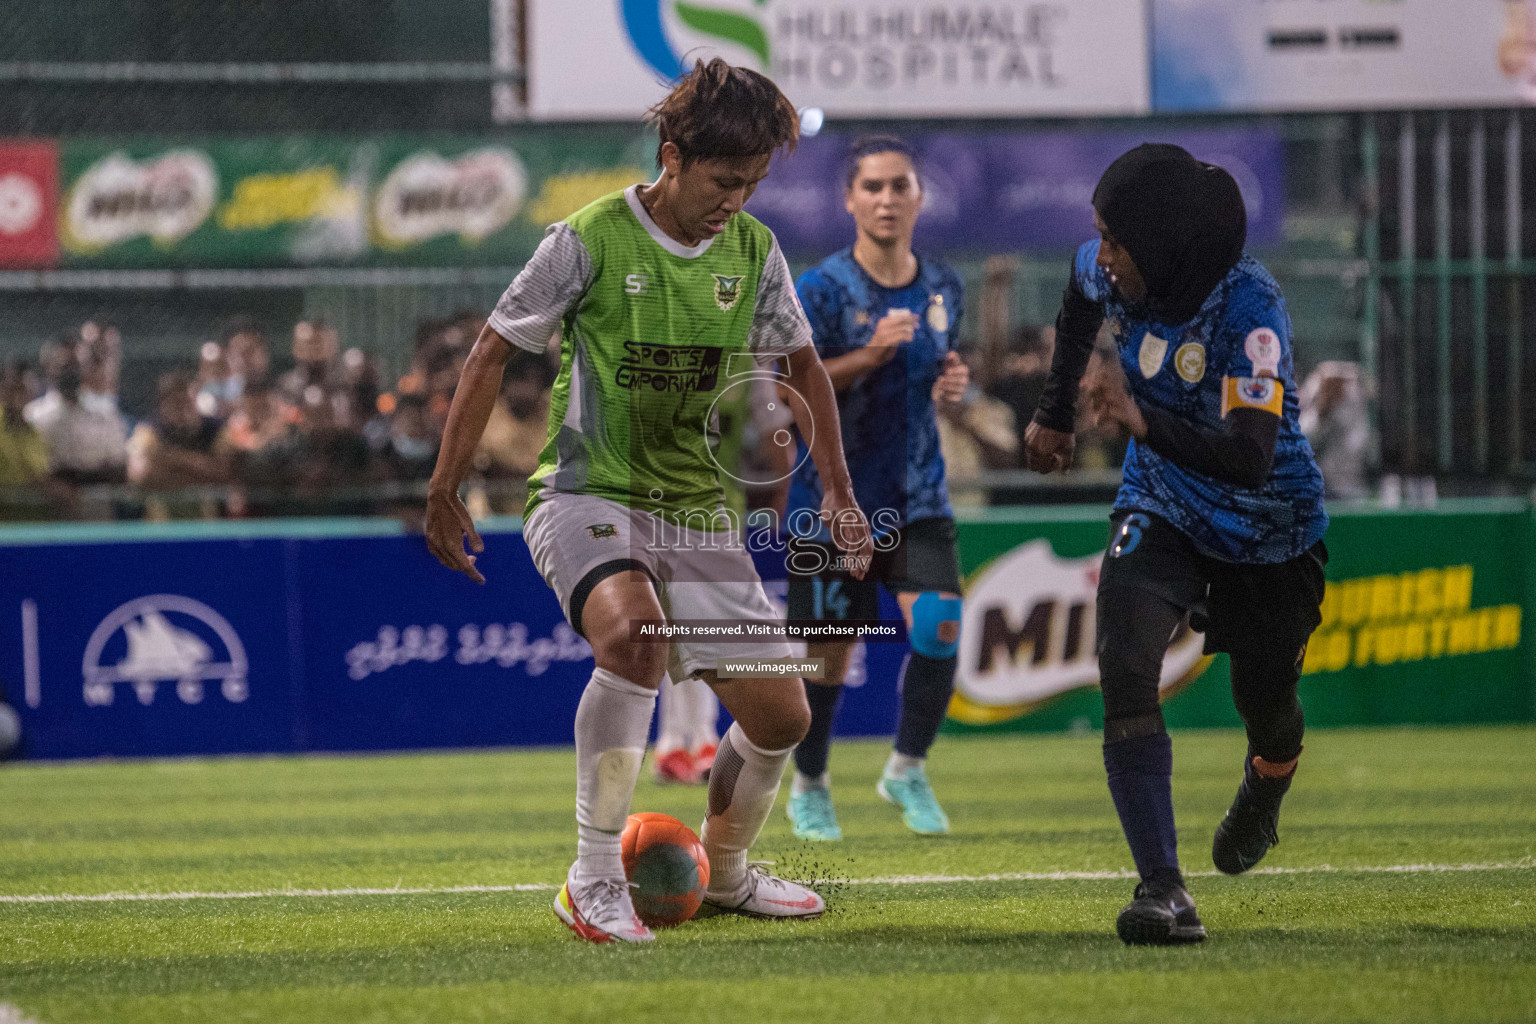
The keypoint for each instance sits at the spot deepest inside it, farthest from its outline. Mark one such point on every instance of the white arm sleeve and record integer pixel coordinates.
(779, 325)
(547, 288)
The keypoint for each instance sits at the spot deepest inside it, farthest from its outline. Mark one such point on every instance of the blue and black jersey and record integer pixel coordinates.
(890, 435)
(1234, 353)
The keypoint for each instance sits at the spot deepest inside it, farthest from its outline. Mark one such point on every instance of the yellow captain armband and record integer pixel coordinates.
(1263, 393)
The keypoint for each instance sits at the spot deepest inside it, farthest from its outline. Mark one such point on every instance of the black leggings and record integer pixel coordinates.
(1135, 626)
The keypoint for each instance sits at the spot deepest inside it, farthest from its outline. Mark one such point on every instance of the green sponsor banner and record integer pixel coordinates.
(1424, 622)
(384, 201)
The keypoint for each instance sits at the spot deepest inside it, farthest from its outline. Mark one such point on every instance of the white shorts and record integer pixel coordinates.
(696, 574)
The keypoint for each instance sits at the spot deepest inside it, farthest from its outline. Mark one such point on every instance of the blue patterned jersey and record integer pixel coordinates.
(890, 435)
(1236, 351)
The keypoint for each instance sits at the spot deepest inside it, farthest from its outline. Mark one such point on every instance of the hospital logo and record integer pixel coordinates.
(164, 639)
(647, 24)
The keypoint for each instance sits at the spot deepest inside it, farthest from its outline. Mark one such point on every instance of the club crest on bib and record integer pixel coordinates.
(938, 315)
(1189, 361)
(727, 291)
(601, 530)
(1150, 358)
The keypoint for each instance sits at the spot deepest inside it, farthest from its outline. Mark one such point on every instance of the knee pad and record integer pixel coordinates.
(930, 612)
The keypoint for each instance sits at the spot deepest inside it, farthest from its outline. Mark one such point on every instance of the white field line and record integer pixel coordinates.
(10, 1015)
(1524, 864)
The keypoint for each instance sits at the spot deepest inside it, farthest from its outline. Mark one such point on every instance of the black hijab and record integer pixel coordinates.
(1182, 222)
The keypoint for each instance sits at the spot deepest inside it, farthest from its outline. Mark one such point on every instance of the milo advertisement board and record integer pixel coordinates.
(1423, 622)
(376, 201)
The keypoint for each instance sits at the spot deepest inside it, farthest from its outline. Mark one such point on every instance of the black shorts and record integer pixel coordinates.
(1260, 609)
(923, 558)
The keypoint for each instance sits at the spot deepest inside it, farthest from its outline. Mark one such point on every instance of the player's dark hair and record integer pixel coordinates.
(721, 112)
(870, 145)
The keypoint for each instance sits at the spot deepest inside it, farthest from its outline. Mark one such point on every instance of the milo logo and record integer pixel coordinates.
(426, 196)
(1028, 634)
(165, 198)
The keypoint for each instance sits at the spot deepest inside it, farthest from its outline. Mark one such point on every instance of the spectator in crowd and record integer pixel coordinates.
(100, 351)
(412, 449)
(260, 437)
(52, 357)
(176, 447)
(218, 391)
(1021, 377)
(976, 434)
(23, 453)
(519, 423)
(245, 346)
(317, 362)
(332, 452)
(1336, 420)
(85, 444)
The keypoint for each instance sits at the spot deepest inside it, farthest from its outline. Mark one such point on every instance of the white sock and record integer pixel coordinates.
(742, 786)
(612, 722)
(900, 764)
(706, 716)
(803, 784)
(672, 716)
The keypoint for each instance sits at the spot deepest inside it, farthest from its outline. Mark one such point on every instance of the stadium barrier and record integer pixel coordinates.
(343, 634)
(1423, 622)
(149, 639)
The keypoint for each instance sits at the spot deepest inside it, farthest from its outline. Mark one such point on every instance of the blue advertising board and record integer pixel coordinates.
(1006, 191)
(282, 637)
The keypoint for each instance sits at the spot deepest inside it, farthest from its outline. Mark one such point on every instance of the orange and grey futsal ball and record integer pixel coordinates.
(667, 868)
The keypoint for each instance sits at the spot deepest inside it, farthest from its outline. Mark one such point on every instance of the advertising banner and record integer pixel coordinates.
(394, 200)
(1342, 55)
(260, 642)
(873, 58)
(29, 201)
(1424, 621)
(1005, 191)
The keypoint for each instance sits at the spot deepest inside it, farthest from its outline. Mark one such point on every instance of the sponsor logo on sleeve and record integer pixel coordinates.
(1263, 350)
(1252, 393)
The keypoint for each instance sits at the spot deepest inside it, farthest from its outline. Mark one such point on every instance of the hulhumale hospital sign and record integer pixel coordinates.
(876, 58)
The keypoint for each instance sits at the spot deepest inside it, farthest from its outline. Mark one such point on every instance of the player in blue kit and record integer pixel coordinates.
(885, 321)
(1220, 514)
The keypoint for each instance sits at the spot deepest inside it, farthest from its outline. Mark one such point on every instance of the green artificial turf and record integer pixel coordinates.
(1315, 945)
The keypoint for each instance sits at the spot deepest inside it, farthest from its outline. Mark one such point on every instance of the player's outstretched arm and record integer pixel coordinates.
(1048, 440)
(819, 424)
(448, 521)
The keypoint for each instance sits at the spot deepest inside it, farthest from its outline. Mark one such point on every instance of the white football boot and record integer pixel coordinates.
(600, 910)
(767, 896)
